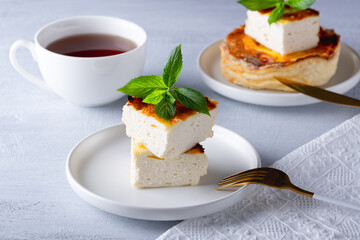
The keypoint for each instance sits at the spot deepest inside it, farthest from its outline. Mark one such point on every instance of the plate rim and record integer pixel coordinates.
(260, 93)
(77, 187)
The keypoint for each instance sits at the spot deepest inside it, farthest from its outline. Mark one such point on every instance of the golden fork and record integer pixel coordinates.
(275, 178)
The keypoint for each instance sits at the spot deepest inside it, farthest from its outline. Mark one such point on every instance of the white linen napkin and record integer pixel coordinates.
(328, 165)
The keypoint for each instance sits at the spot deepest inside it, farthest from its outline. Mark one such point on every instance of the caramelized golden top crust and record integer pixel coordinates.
(181, 114)
(292, 15)
(241, 46)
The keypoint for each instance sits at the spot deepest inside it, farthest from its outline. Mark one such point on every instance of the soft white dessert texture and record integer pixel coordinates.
(148, 170)
(283, 36)
(165, 140)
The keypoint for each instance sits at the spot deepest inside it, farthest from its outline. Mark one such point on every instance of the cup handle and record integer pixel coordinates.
(12, 54)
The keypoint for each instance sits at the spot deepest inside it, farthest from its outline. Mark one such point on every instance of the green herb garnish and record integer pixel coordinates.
(161, 92)
(278, 5)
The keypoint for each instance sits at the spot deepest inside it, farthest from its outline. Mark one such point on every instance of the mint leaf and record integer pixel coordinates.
(143, 86)
(165, 109)
(155, 97)
(300, 4)
(191, 99)
(172, 67)
(277, 13)
(256, 5)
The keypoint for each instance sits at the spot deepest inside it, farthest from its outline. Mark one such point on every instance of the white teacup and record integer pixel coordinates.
(84, 81)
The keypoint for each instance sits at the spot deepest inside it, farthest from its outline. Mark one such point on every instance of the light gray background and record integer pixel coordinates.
(37, 129)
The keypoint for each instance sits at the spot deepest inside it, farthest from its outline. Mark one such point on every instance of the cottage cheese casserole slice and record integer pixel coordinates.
(147, 170)
(294, 48)
(172, 138)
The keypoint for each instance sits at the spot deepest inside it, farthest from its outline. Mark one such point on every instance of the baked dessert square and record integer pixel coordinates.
(295, 31)
(147, 170)
(167, 139)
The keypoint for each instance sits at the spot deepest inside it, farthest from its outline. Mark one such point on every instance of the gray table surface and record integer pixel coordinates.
(38, 129)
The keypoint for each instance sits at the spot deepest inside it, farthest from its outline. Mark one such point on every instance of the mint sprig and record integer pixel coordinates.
(278, 5)
(160, 90)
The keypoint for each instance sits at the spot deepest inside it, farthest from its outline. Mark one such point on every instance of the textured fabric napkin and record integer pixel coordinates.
(328, 165)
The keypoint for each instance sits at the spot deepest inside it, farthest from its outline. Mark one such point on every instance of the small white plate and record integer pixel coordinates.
(345, 78)
(98, 169)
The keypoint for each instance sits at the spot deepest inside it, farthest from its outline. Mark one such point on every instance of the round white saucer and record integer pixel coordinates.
(98, 169)
(345, 78)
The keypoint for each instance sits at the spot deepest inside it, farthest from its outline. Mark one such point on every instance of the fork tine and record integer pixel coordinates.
(265, 169)
(256, 173)
(240, 183)
(249, 174)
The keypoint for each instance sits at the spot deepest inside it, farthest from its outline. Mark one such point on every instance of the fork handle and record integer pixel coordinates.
(336, 201)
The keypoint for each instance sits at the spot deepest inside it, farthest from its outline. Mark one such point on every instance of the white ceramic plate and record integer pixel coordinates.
(98, 168)
(345, 78)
